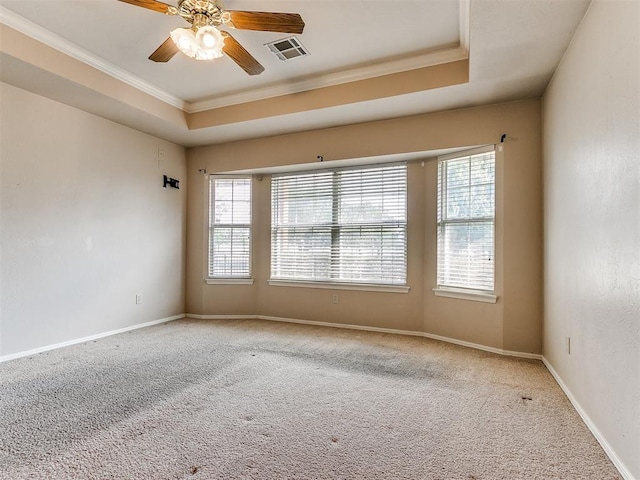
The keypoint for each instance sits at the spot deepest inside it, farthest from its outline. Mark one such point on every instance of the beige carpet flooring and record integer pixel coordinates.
(251, 399)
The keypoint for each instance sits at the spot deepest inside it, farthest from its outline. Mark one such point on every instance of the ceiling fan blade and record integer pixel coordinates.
(164, 52)
(153, 5)
(267, 21)
(239, 55)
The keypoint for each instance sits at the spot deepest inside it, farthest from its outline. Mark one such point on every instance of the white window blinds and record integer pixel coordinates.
(230, 227)
(345, 225)
(466, 217)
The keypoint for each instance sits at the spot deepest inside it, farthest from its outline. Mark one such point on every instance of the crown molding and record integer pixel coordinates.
(35, 31)
(426, 59)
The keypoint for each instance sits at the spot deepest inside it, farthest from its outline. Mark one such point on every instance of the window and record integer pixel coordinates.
(466, 217)
(230, 227)
(340, 226)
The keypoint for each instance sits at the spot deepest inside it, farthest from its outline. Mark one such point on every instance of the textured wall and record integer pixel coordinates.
(514, 323)
(85, 224)
(592, 223)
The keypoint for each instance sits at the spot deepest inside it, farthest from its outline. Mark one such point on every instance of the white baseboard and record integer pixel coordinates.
(477, 346)
(499, 351)
(624, 471)
(221, 317)
(90, 338)
(341, 325)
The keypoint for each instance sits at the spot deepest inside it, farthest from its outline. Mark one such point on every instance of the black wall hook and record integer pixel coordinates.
(172, 182)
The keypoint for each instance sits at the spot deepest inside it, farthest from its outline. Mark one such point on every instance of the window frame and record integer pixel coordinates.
(211, 226)
(460, 292)
(336, 226)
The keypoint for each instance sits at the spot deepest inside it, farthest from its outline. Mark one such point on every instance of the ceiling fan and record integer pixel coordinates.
(204, 41)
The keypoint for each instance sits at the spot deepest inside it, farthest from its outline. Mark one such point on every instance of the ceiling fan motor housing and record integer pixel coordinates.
(203, 12)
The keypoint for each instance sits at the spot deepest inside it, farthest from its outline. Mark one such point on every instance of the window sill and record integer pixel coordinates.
(462, 294)
(367, 287)
(229, 281)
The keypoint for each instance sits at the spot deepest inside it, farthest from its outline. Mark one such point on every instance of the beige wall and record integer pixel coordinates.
(514, 323)
(592, 225)
(85, 224)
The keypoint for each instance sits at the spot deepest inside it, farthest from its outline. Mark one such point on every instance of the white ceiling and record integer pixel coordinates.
(513, 46)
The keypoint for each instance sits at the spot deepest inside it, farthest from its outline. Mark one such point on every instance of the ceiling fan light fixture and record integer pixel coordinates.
(210, 42)
(205, 44)
(185, 40)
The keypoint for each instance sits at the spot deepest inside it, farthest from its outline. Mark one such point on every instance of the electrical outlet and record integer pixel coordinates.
(334, 298)
(138, 298)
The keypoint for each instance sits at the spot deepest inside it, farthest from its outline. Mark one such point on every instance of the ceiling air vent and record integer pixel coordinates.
(287, 48)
